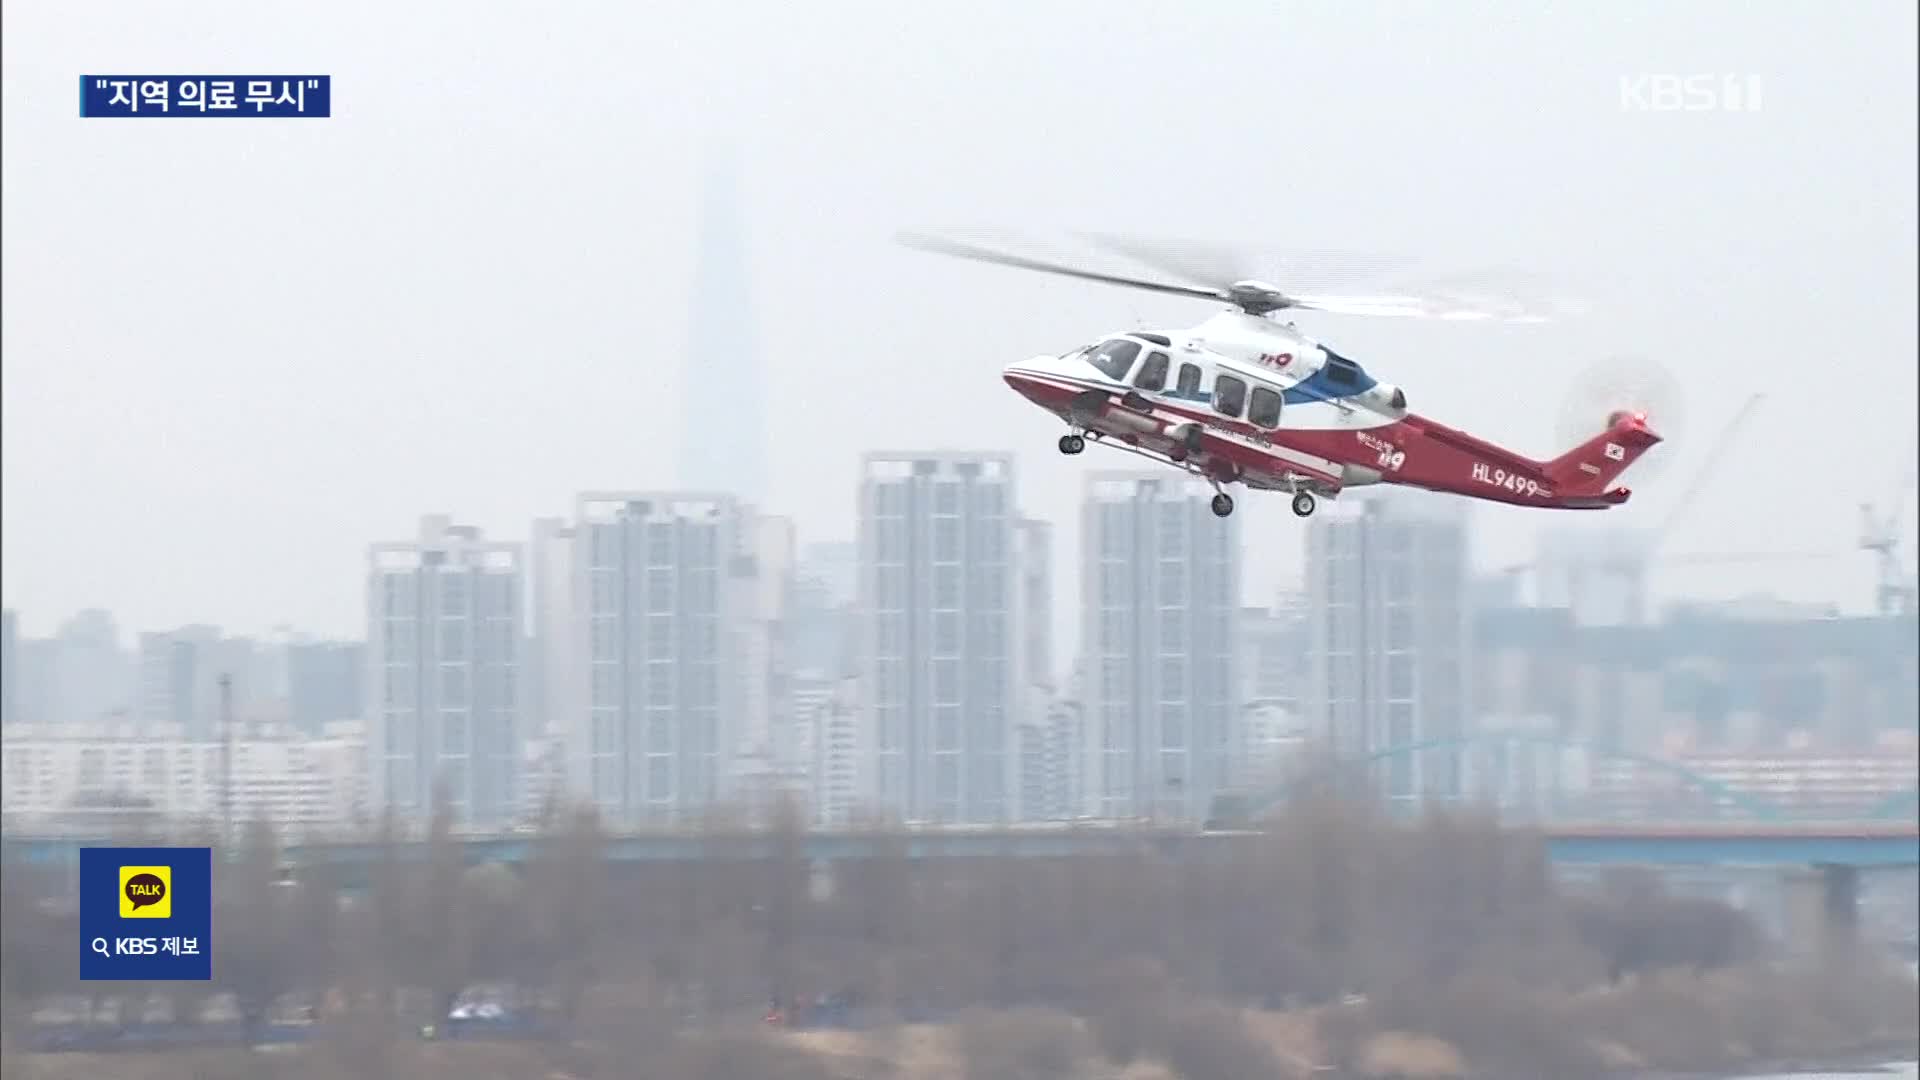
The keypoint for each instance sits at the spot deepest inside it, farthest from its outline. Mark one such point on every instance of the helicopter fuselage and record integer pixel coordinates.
(1243, 398)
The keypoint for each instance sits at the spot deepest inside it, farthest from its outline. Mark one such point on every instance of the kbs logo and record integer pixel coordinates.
(1689, 93)
(1615, 452)
(146, 892)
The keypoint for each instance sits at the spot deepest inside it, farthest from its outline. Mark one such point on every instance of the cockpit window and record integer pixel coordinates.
(1153, 373)
(1229, 395)
(1342, 372)
(1115, 357)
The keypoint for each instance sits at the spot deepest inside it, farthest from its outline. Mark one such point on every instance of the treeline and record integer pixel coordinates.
(1452, 927)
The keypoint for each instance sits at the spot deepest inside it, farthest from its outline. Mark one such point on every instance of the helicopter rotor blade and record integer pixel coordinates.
(1309, 270)
(1351, 282)
(980, 254)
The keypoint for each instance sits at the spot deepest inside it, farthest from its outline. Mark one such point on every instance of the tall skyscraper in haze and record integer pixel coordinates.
(1160, 599)
(723, 418)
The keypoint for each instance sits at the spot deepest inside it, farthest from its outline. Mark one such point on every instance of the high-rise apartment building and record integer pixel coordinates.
(1391, 658)
(827, 748)
(443, 644)
(1274, 652)
(9, 674)
(325, 683)
(90, 678)
(1050, 758)
(1160, 596)
(938, 650)
(819, 629)
(554, 667)
(180, 673)
(762, 573)
(1033, 566)
(675, 622)
(1597, 573)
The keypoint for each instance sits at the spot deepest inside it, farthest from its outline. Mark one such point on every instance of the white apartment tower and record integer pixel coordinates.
(1159, 602)
(443, 648)
(677, 602)
(1390, 651)
(553, 672)
(938, 641)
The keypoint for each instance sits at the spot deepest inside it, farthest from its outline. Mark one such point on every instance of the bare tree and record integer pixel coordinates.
(440, 912)
(259, 944)
(569, 902)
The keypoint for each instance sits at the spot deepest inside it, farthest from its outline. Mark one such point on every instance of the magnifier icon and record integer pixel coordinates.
(100, 946)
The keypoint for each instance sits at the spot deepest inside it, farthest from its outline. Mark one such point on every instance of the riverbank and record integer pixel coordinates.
(1887, 1058)
(1024, 1044)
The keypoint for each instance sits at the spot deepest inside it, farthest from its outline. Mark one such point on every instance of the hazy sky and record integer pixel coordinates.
(238, 352)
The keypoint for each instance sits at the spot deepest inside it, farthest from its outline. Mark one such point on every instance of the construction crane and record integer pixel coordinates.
(1632, 559)
(1880, 534)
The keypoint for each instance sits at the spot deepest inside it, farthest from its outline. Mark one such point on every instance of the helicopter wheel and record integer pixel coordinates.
(1302, 504)
(1072, 444)
(1222, 504)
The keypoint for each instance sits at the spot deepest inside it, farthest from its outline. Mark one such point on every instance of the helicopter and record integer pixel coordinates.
(1245, 398)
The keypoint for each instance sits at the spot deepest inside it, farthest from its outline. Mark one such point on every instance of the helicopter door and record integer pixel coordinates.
(1152, 376)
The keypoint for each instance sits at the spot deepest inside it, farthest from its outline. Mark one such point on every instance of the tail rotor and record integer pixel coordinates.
(1634, 385)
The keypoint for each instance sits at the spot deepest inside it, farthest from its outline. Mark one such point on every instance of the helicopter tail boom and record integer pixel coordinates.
(1589, 468)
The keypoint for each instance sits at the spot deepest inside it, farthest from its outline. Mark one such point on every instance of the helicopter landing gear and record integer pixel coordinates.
(1072, 444)
(1222, 504)
(1302, 503)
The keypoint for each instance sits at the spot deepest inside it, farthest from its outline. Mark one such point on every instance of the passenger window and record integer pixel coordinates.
(1229, 395)
(1189, 381)
(1115, 358)
(1264, 408)
(1153, 373)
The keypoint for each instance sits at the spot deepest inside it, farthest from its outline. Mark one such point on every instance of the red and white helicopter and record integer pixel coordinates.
(1244, 398)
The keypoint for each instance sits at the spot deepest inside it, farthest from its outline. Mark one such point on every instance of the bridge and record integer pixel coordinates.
(1701, 822)
(1819, 862)
(1863, 844)
(1488, 761)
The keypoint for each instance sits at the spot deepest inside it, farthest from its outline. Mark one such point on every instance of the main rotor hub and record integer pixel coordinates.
(1257, 297)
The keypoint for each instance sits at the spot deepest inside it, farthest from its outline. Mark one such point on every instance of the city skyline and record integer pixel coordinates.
(1755, 569)
(594, 657)
(184, 459)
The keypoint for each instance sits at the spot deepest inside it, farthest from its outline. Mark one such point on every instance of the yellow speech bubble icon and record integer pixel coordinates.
(146, 892)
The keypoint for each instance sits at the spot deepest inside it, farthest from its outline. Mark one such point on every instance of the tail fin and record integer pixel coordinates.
(1587, 469)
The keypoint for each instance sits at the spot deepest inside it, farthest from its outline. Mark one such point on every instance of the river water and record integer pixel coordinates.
(1904, 1070)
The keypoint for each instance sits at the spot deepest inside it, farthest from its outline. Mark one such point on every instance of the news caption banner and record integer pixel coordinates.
(261, 96)
(146, 914)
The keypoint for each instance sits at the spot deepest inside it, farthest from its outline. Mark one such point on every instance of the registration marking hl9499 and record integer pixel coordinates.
(1501, 478)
